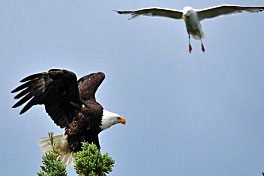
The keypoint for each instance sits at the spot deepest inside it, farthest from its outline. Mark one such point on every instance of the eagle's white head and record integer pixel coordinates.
(109, 119)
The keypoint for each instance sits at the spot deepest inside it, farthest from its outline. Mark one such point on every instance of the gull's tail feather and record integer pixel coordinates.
(197, 36)
(61, 143)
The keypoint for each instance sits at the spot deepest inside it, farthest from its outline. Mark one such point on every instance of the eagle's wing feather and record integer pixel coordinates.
(154, 11)
(56, 89)
(225, 10)
(89, 84)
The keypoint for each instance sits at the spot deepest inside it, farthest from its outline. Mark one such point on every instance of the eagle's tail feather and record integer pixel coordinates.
(68, 159)
(61, 143)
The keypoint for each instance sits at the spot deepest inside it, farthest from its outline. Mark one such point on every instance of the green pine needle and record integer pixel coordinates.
(52, 163)
(90, 162)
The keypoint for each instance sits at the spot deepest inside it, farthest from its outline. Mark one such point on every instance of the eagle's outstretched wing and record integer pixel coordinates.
(153, 11)
(216, 11)
(56, 89)
(89, 84)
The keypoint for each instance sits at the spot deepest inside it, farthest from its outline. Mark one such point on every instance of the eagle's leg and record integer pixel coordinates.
(190, 46)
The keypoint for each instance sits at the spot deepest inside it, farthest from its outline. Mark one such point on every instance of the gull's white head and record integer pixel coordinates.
(109, 119)
(187, 11)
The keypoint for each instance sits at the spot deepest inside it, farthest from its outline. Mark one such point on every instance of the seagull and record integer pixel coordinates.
(192, 17)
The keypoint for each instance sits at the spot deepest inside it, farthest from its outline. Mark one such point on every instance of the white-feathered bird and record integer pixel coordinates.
(192, 17)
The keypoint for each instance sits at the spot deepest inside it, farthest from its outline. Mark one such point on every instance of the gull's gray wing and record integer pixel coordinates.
(216, 11)
(154, 11)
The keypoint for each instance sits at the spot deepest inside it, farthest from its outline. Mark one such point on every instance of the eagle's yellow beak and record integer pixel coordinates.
(184, 16)
(122, 120)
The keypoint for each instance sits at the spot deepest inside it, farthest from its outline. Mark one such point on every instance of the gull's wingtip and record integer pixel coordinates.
(117, 11)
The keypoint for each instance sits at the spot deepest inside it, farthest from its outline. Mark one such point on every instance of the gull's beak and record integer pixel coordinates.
(122, 120)
(184, 16)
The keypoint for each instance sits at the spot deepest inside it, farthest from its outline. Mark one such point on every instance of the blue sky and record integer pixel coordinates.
(187, 114)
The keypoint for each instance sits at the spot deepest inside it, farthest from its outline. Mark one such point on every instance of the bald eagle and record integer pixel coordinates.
(71, 104)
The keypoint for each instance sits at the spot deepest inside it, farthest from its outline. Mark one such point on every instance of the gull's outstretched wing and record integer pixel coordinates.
(154, 11)
(216, 11)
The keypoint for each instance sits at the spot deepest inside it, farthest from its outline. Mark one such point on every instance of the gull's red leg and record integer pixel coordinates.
(190, 46)
(203, 49)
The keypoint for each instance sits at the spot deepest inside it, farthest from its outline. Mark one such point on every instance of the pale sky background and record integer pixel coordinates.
(187, 114)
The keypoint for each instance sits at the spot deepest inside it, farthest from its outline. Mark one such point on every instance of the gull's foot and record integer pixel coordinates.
(190, 48)
(203, 49)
